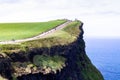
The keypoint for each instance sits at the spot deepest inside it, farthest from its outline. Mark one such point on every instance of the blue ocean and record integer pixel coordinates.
(105, 55)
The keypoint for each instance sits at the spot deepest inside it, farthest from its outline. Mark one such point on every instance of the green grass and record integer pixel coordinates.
(42, 63)
(60, 37)
(10, 31)
(88, 70)
(49, 63)
(71, 31)
(73, 28)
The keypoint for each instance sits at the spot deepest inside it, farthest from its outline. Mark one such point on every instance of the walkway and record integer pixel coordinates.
(37, 37)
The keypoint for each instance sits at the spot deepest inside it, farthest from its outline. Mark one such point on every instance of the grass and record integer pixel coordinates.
(88, 71)
(14, 31)
(49, 63)
(70, 32)
(61, 37)
(73, 28)
(41, 63)
(54, 63)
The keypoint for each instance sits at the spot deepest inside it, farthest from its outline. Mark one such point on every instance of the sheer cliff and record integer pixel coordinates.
(50, 58)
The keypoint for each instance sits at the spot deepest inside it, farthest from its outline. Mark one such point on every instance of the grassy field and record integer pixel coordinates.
(60, 37)
(70, 31)
(14, 31)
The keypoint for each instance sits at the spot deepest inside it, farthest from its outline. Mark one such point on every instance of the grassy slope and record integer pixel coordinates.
(70, 31)
(9, 31)
(61, 37)
(58, 38)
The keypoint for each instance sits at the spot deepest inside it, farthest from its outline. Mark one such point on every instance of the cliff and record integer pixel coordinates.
(51, 58)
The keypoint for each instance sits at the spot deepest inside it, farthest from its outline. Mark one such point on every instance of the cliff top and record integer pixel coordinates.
(59, 55)
(17, 31)
(62, 36)
(23, 61)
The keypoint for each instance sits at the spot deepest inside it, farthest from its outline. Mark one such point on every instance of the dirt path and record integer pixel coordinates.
(37, 37)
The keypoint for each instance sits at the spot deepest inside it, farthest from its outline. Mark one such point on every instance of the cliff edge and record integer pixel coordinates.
(58, 56)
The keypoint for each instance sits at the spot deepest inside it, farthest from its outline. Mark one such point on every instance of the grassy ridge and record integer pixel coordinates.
(73, 28)
(70, 31)
(10, 31)
(61, 37)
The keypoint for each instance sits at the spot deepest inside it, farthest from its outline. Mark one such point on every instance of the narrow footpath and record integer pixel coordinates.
(38, 36)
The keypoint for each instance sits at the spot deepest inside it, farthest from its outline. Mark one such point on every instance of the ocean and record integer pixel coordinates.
(105, 55)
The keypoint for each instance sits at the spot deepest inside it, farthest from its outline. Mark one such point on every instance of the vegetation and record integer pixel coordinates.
(73, 28)
(49, 63)
(70, 31)
(61, 37)
(43, 56)
(41, 63)
(13, 31)
(88, 70)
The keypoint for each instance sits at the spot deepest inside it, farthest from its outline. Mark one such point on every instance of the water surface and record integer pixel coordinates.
(105, 55)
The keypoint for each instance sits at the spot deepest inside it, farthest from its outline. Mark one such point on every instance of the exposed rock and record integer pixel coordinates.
(77, 65)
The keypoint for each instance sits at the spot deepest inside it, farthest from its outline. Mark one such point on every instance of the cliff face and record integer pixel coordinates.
(77, 65)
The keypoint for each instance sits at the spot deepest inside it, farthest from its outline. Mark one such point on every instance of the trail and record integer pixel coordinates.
(38, 36)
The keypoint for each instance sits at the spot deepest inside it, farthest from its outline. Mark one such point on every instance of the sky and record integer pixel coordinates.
(100, 17)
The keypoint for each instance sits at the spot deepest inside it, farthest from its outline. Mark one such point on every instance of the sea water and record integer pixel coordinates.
(105, 55)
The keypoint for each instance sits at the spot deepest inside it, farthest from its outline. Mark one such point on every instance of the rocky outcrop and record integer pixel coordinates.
(77, 64)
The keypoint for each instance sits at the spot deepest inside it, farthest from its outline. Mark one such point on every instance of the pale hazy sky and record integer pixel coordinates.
(101, 17)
